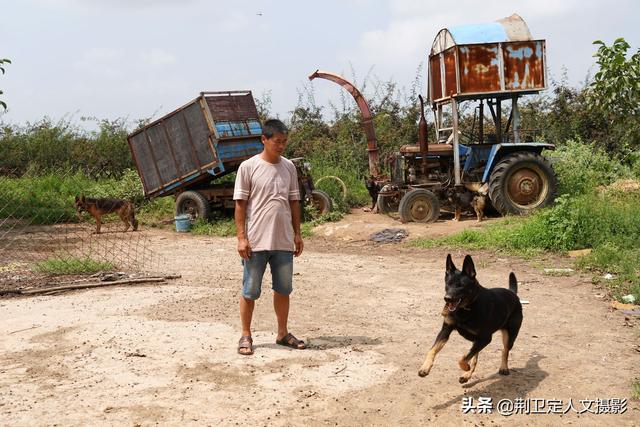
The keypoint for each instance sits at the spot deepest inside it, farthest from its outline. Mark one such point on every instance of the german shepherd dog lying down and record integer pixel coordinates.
(476, 313)
(98, 207)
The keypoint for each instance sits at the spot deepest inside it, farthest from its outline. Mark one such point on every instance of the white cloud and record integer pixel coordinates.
(157, 57)
(406, 40)
(105, 61)
(233, 22)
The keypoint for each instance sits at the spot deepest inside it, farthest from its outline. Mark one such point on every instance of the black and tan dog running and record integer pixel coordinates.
(476, 313)
(99, 207)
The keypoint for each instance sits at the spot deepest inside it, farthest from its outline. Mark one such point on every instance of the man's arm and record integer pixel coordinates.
(240, 215)
(295, 220)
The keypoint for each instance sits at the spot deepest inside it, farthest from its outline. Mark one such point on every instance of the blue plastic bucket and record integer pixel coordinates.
(183, 223)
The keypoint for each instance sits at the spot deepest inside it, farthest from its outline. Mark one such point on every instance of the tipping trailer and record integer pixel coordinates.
(186, 153)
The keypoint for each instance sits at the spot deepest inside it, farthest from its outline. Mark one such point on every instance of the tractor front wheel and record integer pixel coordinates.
(419, 206)
(387, 203)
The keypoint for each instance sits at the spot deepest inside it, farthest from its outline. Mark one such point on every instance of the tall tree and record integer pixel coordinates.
(2, 62)
(616, 85)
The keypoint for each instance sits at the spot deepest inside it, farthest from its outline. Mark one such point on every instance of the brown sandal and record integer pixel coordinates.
(290, 341)
(245, 346)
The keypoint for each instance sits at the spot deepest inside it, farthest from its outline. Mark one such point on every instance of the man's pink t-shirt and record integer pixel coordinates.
(268, 187)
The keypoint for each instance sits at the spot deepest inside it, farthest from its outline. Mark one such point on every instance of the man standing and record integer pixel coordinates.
(267, 215)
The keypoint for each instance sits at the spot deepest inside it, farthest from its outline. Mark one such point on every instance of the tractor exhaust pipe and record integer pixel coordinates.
(423, 132)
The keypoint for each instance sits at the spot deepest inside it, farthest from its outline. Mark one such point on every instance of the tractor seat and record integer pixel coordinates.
(434, 149)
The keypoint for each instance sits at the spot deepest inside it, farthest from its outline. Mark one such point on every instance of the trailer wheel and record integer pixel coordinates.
(419, 206)
(522, 182)
(321, 201)
(193, 204)
(387, 203)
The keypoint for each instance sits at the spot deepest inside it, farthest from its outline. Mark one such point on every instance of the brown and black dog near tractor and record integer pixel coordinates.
(464, 199)
(102, 206)
(476, 313)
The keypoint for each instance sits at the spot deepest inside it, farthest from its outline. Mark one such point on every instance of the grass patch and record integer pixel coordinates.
(357, 194)
(49, 198)
(608, 222)
(306, 228)
(505, 235)
(221, 227)
(156, 211)
(635, 389)
(70, 265)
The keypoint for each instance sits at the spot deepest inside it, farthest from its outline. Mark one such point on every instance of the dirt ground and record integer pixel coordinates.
(166, 354)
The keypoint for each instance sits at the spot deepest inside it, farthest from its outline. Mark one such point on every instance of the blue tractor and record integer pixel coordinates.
(488, 65)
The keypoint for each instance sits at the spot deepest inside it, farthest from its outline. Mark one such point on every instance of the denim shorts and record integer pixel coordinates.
(281, 265)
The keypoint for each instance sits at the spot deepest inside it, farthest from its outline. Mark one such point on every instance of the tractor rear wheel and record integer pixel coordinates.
(419, 206)
(193, 204)
(522, 182)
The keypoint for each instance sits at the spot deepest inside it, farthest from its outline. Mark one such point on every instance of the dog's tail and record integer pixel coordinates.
(132, 217)
(513, 283)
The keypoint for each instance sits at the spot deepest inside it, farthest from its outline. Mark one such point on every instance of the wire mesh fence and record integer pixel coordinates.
(43, 231)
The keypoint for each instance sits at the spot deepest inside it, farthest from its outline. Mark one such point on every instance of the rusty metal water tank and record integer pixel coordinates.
(488, 60)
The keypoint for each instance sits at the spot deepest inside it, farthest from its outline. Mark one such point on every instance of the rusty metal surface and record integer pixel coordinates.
(435, 77)
(491, 69)
(524, 65)
(516, 28)
(450, 81)
(479, 68)
(231, 106)
(525, 186)
(511, 28)
(367, 120)
(486, 60)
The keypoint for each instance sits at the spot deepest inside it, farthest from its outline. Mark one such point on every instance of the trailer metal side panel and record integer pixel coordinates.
(232, 108)
(202, 140)
(142, 155)
(197, 128)
(160, 147)
(184, 155)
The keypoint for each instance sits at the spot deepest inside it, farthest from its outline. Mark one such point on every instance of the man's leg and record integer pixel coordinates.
(246, 313)
(281, 307)
(281, 263)
(251, 286)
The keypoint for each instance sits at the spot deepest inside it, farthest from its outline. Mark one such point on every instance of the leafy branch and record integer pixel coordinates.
(2, 62)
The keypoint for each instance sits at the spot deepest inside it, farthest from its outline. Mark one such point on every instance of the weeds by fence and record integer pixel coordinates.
(41, 232)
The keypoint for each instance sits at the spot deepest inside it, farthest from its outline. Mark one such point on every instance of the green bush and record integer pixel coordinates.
(581, 168)
(46, 147)
(49, 198)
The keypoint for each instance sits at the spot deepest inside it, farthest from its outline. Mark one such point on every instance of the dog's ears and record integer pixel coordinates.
(450, 266)
(468, 268)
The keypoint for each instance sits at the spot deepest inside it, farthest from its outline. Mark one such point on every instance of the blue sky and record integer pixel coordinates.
(143, 58)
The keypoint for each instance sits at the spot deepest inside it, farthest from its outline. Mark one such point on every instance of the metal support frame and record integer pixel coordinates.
(456, 152)
(515, 112)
